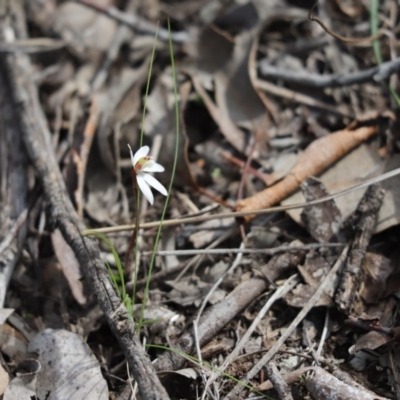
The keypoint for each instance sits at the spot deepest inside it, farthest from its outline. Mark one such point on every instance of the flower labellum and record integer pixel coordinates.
(142, 165)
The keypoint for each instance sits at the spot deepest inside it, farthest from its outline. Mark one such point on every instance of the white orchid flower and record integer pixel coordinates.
(142, 165)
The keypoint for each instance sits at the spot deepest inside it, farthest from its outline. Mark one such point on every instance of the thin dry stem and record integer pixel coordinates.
(239, 214)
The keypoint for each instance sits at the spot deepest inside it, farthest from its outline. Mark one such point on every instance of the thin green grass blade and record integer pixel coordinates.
(376, 45)
(206, 365)
(374, 30)
(121, 294)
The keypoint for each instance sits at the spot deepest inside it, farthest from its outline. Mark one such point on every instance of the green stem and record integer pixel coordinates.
(374, 30)
(153, 255)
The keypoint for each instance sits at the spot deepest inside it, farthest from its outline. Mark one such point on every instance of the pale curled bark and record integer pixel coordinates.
(318, 156)
(37, 139)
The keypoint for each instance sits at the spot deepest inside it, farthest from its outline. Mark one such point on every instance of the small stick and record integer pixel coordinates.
(242, 164)
(202, 218)
(135, 22)
(281, 387)
(342, 38)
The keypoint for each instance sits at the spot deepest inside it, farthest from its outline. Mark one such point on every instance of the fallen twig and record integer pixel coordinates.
(135, 22)
(378, 74)
(279, 383)
(238, 214)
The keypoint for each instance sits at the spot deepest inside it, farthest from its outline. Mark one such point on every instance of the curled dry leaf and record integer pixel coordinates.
(318, 156)
(370, 341)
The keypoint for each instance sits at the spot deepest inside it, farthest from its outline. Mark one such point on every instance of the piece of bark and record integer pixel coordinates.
(321, 220)
(227, 309)
(318, 156)
(13, 189)
(36, 136)
(363, 221)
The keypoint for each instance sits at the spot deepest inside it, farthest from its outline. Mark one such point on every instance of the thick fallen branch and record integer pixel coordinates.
(13, 190)
(36, 136)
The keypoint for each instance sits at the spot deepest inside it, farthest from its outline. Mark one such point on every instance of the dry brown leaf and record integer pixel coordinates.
(232, 133)
(70, 266)
(213, 50)
(370, 341)
(377, 270)
(84, 28)
(234, 92)
(102, 199)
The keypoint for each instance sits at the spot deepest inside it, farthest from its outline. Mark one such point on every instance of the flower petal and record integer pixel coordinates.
(132, 159)
(142, 152)
(152, 167)
(155, 184)
(148, 163)
(145, 188)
